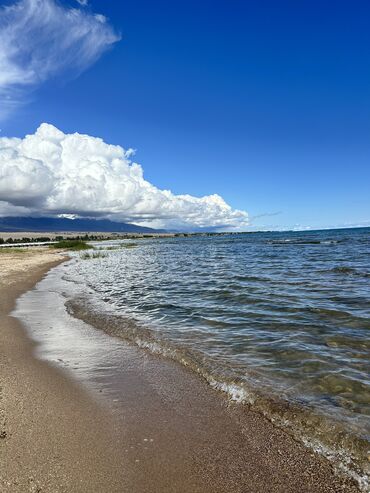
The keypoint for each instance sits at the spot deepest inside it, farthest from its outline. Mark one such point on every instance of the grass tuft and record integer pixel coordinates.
(93, 255)
(129, 245)
(74, 245)
(119, 247)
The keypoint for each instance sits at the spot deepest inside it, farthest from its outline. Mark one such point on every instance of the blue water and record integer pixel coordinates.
(283, 316)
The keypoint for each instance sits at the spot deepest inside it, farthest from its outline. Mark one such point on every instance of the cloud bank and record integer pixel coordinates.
(52, 173)
(40, 39)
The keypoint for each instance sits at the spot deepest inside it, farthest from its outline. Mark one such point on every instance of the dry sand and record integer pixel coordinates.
(171, 432)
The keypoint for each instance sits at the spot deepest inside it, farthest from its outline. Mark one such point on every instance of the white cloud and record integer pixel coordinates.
(40, 39)
(83, 2)
(53, 173)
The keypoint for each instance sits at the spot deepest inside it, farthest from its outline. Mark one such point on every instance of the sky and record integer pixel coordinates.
(242, 115)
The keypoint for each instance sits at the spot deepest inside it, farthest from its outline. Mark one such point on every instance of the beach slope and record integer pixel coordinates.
(54, 437)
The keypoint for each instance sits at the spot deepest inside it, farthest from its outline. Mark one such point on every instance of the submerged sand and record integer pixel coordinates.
(169, 433)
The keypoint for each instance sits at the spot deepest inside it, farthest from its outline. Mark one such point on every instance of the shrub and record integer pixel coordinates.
(72, 245)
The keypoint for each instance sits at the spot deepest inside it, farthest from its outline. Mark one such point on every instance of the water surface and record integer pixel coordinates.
(268, 317)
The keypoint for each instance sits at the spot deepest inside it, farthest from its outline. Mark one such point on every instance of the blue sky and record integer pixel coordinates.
(264, 103)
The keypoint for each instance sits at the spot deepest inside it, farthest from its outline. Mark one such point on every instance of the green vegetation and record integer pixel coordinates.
(110, 248)
(93, 255)
(74, 245)
(45, 239)
(118, 247)
(14, 241)
(129, 245)
(13, 250)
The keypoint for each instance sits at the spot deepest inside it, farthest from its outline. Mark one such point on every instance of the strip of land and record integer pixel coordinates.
(170, 433)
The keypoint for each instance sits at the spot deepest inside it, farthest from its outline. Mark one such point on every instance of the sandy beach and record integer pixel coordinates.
(52, 435)
(170, 432)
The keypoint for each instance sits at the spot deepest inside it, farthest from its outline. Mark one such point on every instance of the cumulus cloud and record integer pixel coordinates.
(42, 38)
(52, 173)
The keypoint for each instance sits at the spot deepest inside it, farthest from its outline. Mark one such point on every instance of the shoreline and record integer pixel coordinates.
(50, 427)
(222, 448)
(317, 432)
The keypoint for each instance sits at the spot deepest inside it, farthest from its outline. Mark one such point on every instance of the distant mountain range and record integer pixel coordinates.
(54, 224)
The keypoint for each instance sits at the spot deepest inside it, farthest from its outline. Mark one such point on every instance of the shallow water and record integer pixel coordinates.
(167, 423)
(278, 320)
(291, 309)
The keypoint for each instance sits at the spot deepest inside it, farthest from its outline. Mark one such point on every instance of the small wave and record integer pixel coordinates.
(343, 465)
(236, 393)
(325, 436)
(289, 241)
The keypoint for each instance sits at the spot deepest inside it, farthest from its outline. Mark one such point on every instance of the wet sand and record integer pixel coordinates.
(53, 436)
(163, 430)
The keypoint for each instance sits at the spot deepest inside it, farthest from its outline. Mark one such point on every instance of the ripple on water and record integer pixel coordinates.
(287, 313)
